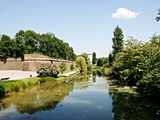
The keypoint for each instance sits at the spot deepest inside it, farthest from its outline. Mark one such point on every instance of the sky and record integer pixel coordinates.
(87, 25)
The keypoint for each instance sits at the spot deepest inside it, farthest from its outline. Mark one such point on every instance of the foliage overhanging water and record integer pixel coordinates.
(82, 98)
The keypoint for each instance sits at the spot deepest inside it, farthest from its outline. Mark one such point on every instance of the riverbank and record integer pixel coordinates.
(121, 89)
(6, 87)
(68, 74)
(125, 89)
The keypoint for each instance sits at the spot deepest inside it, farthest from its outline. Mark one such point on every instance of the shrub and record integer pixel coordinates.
(72, 67)
(62, 67)
(48, 70)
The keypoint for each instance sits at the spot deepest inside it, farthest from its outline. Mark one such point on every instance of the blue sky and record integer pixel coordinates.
(87, 25)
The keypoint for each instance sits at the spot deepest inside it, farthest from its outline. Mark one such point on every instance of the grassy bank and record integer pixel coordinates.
(6, 87)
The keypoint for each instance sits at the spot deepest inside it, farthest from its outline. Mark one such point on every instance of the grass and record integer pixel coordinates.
(49, 94)
(7, 87)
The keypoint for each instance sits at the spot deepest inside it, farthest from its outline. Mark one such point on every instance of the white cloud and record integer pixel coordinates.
(124, 14)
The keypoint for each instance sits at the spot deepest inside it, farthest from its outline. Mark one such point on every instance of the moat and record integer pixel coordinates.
(82, 98)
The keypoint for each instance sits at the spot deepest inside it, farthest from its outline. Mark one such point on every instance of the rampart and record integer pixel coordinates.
(30, 64)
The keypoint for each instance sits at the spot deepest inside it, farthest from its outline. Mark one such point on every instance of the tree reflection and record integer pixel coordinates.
(43, 97)
(133, 107)
(40, 98)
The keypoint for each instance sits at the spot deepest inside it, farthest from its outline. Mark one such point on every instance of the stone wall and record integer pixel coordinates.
(30, 65)
(11, 65)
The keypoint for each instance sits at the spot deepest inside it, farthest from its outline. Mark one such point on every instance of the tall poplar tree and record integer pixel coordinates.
(117, 40)
(94, 59)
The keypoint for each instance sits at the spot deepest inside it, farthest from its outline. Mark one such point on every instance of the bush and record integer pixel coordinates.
(62, 67)
(48, 71)
(72, 67)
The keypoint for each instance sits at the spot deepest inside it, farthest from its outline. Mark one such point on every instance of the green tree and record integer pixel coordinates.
(62, 67)
(127, 66)
(20, 44)
(7, 46)
(28, 42)
(54, 47)
(94, 59)
(110, 59)
(138, 65)
(102, 61)
(117, 40)
(81, 64)
(85, 55)
(31, 41)
(149, 84)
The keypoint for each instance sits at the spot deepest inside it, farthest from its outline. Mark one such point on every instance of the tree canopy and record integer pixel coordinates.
(87, 60)
(138, 65)
(27, 42)
(81, 64)
(102, 61)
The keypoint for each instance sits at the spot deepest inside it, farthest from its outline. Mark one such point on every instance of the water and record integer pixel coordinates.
(84, 98)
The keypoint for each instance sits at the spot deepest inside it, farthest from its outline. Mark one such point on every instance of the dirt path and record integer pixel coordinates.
(15, 75)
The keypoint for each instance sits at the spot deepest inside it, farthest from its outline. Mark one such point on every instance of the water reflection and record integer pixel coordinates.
(94, 78)
(40, 98)
(134, 107)
(37, 99)
(77, 98)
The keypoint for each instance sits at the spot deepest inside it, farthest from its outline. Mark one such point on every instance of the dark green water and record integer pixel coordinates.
(82, 99)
